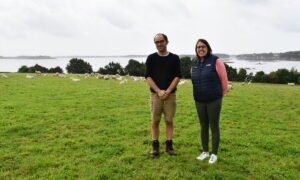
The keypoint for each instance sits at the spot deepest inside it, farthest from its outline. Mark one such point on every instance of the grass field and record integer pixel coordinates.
(53, 128)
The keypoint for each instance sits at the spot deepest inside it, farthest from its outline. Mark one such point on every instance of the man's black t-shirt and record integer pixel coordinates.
(163, 69)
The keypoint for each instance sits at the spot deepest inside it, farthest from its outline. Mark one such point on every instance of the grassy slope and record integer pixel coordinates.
(54, 128)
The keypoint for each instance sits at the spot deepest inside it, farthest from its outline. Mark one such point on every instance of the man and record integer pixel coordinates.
(162, 74)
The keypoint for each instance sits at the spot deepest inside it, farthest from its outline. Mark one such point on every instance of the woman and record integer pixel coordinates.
(210, 83)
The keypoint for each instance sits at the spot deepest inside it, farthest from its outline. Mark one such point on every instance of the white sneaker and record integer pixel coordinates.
(203, 155)
(213, 159)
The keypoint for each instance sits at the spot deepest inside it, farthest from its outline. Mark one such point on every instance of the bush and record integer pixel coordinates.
(135, 68)
(112, 68)
(242, 75)
(55, 70)
(79, 66)
(185, 63)
(260, 77)
(32, 69)
(37, 68)
(231, 72)
(23, 69)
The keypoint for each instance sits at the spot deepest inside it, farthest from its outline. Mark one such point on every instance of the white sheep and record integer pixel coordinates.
(106, 77)
(56, 74)
(291, 84)
(124, 81)
(29, 77)
(75, 80)
(38, 73)
(182, 82)
(136, 79)
(100, 76)
(62, 75)
(119, 78)
(4, 76)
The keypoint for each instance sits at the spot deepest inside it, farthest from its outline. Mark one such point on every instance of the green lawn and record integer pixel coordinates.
(53, 128)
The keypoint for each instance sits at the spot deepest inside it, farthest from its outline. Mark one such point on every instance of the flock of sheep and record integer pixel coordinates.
(122, 79)
(117, 77)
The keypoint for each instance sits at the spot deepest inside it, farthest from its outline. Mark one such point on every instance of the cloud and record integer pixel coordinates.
(128, 27)
(39, 17)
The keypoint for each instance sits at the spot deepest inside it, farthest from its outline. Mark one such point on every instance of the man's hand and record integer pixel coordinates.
(165, 96)
(161, 93)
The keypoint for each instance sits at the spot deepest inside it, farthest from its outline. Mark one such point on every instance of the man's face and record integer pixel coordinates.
(161, 43)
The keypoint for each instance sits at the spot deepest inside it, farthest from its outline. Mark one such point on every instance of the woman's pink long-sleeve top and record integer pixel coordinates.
(221, 70)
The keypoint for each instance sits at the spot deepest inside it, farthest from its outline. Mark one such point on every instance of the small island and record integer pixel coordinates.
(288, 56)
(27, 57)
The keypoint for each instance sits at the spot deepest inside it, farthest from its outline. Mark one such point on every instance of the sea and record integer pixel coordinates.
(12, 65)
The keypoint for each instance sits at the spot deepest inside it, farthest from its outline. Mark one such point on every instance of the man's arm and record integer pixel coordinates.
(155, 87)
(175, 80)
(173, 85)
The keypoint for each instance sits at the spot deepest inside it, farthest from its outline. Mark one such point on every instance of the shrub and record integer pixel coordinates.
(135, 68)
(55, 70)
(37, 67)
(23, 69)
(79, 66)
(112, 68)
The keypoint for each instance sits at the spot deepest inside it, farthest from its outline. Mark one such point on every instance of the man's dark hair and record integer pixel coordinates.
(165, 37)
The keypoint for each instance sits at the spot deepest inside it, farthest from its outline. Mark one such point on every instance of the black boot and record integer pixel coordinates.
(169, 148)
(155, 146)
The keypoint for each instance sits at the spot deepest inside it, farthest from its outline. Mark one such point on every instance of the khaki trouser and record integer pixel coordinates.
(166, 106)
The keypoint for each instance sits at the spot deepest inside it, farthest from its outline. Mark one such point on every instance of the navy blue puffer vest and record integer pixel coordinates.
(206, 83)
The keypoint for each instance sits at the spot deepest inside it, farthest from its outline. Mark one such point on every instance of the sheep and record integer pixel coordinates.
(291, 84)
(75, 80)
(86, 75)
(62, 75)
(229, 87)
(114, 77)
(38, 73)
(135, 79)
(124, 82)
(106, 77)
(119, 78)
(4, 76)
(99, 76)
(182, 82)
(29, 77)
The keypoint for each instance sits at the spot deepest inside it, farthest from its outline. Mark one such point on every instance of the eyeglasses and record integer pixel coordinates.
(203, 47)
(161, 41)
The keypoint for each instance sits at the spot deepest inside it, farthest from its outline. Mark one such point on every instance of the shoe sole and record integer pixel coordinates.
(202, 159)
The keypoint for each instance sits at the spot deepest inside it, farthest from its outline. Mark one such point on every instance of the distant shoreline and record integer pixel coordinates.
(266, 57)
(28, 57)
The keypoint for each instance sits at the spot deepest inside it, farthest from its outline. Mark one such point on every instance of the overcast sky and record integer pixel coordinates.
(125, 27)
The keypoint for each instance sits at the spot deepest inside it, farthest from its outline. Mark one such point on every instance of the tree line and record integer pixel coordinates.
(291, 55)
(136, 68)
(33, 69)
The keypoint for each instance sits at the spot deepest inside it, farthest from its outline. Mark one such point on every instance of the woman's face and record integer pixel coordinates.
(201, 49)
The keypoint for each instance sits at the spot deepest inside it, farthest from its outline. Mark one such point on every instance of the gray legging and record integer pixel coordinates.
(209, 115)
